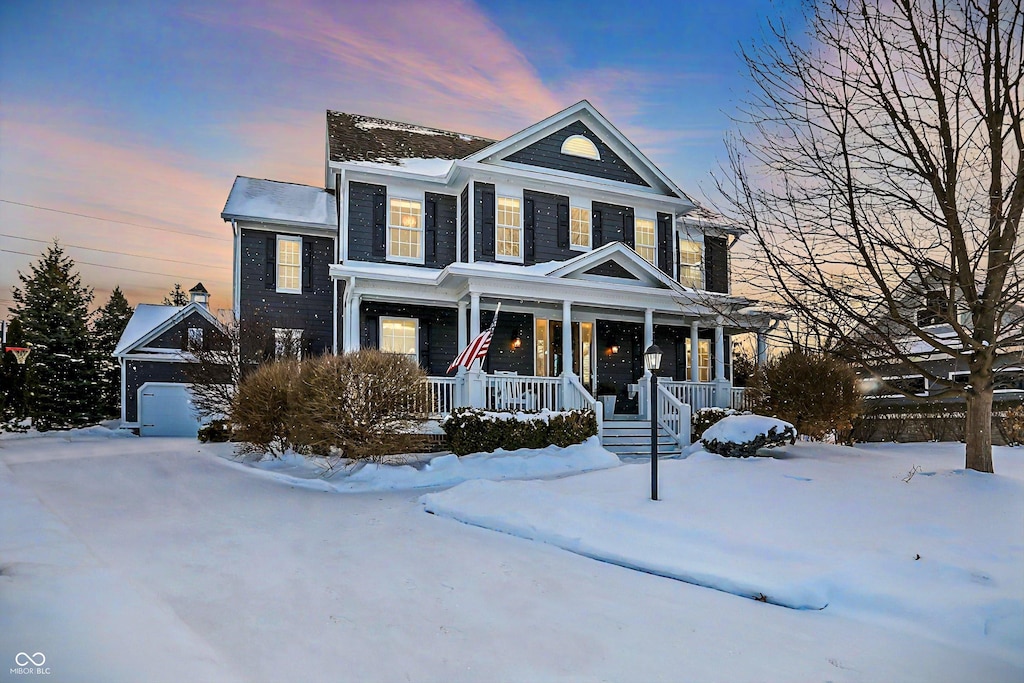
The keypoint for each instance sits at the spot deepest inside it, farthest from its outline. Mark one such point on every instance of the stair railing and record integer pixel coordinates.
(674, 417)
(576, 397)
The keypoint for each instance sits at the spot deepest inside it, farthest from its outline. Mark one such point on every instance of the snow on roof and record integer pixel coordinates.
(702, 217)
(145, 319)
(270, 200)
(429, 167)
(352, 137)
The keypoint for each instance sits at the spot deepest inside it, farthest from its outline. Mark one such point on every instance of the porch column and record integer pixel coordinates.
(463, 329)
(566, 337)
(694, 355)
(462, 325)
(762, 348)
(648, 328)
(356, 342)
(475, 390)
(723, 387)
(474, 315)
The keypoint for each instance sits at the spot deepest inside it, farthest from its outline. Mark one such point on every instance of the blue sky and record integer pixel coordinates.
(141, 114)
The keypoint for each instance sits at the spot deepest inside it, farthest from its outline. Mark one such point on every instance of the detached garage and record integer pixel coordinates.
(156, 355)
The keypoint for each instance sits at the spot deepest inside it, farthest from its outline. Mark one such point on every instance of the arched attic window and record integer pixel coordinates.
(580, 146)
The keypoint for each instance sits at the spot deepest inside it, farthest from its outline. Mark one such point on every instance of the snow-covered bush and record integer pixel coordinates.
(703, 418)
(471, 430)
(738, 436)
(816, 393)
(1011, 426)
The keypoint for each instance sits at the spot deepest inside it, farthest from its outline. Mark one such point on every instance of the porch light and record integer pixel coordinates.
(652, 362)
(517, 342)
(614, 348)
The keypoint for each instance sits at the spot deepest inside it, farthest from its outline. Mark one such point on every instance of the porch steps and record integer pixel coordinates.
(632, 439)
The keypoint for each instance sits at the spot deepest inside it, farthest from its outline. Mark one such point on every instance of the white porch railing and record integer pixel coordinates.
(442, 395)
(737, 398)
(577, 397)
(697, 395)
(673, 416)
(521, 392)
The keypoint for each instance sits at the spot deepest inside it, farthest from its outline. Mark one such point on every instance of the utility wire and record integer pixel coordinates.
(111, 220)
(110, 251)
(101, 265)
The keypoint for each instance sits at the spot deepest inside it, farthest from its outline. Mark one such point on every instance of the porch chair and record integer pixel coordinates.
(509, 391)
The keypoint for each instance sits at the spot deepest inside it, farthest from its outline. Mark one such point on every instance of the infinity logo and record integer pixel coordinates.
(24, 659)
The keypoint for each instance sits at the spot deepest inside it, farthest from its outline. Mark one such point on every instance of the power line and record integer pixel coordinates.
(110, 251)
(111, 220)
(103, 265)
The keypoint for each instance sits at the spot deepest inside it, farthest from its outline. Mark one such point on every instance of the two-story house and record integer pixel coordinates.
(418, 234)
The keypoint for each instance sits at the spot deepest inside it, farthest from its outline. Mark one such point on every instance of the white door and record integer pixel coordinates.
(166, 410)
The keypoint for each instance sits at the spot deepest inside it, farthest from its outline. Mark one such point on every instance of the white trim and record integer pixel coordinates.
(397, 318)
(124, 392)
(277, 264)
(504, 258)
(236, 276)
(421, 230)
(168, 324)
(588, 206)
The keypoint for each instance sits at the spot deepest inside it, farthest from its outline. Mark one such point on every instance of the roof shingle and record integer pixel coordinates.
(353, 137)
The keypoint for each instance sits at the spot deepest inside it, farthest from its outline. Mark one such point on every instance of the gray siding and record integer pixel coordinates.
(367, 226)
(547, 153)
(438, 331)
(547, 245)
(262, 307)
(177, 336)
(502, 357)
(609, 223)
(624, 367)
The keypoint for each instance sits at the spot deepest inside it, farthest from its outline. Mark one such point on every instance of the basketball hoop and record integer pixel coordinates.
(20, 353)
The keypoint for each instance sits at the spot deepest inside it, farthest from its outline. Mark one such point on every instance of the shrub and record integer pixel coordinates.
(471, 430)
(703, 418)
(217, 431)
(816, 393)
(1011, 426)
(262, 409)
(743, 435)
(359, 405)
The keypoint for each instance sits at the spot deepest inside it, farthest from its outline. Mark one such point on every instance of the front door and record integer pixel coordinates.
(548, 362)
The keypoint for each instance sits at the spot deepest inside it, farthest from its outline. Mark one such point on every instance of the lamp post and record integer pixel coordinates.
(652, 363)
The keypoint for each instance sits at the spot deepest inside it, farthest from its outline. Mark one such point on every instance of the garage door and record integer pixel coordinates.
(166, 410)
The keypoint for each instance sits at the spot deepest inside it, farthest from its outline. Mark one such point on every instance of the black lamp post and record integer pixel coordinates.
(652, 363)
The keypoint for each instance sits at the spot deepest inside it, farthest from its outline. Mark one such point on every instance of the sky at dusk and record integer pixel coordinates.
(123, 124)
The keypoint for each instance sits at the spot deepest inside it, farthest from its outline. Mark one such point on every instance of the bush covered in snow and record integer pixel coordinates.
(740, 436)
(815, 392)
(471, 430)
(703, 418)
(357, 405)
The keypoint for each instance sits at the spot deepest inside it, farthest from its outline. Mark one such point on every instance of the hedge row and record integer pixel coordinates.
(471, 430)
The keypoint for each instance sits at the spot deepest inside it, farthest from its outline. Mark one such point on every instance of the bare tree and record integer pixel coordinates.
(883, 151)
(221, 362)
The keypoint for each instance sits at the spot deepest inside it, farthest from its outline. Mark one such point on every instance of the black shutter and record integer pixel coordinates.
(487, 220)
(270, 278)
(430, 231)
(665, 243)
(716, 264)
(424, 349)
(307, 265)
(380, 225)
(598, 229)
(629, 228)
(563, 223)
(369, 333)
(529, 231)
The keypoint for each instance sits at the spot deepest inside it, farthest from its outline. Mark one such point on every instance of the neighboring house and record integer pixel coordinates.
(419, 233)
(156, 352)
(923, 299)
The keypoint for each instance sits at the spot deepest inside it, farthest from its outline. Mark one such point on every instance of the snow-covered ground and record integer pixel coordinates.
(158, 559)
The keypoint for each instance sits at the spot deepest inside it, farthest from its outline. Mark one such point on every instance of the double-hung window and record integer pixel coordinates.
(690, 274)
(405, 230)
(579, 228)
(401, 336)
(644, 234)
(287, 343)
(289, 265)
(509, 230)
(194, 341)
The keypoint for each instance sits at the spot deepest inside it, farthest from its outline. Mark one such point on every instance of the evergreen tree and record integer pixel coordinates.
(176, 297)
(53, 307)
(12, 377)
(107, 329)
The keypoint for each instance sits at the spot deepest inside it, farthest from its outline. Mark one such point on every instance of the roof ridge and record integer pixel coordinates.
(367, 117)
(282, 182)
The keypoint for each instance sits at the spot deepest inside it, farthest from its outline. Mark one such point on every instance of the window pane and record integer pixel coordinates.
(645, 238)
(541, 337)
(579, 227)
(508, 232)
(689, 264)
(288, 263)
(405, 229)
(398, 335)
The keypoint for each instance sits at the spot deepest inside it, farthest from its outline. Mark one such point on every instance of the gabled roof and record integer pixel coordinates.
(149, 321)
(618, 253)
(703, 218)
(278, 202)
(602, 127)
(357, 138)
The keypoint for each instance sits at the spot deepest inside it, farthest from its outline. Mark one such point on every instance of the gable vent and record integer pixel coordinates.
(580, 146)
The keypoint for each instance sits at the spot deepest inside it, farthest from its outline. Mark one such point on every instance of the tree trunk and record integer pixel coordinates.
(979, 427)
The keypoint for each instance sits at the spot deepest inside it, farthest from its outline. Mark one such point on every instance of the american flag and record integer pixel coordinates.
(478, 347)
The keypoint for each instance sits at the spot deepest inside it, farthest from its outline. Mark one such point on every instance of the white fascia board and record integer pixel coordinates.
(385, 271)
(168, 324)
(574, 184)
(372, 174)
(274, 225)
